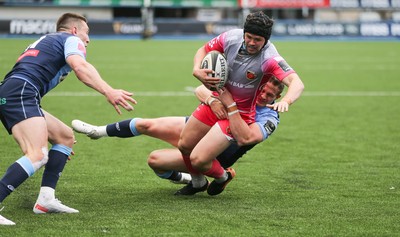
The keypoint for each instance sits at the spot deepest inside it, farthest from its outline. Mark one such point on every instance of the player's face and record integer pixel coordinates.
(82, 31)
(268, 94)
(254, 43)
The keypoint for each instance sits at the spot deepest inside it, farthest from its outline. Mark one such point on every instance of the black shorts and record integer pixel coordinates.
(19, 100)
(231, 154)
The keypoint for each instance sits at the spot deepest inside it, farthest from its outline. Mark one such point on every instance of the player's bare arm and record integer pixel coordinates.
(243, 133)
(90, 77)
(205, 95)
(295, 88)
(203, 75)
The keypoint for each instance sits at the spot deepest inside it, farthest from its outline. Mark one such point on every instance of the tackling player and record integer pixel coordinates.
(168, 163)
(41, 67)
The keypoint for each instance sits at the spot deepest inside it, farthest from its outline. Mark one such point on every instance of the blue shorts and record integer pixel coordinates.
(19, 100)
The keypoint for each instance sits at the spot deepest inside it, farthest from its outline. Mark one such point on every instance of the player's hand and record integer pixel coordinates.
(118, 97)
(225, 97)
(72, 154)
(219, 109)
(281, 106)
(205, 76)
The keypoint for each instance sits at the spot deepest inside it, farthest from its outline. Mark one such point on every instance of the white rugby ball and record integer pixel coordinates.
(217, 62)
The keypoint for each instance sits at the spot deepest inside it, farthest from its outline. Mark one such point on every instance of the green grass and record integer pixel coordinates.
(331, 168)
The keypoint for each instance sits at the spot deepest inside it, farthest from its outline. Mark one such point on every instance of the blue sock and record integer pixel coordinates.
(15, 175)
(58, 156)
(122, 129)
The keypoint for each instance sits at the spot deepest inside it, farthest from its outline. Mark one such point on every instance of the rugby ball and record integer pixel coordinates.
(217, 62)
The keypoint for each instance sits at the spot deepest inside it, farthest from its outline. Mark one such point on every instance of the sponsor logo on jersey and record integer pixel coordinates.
(269, 127)
(3, 101)
(284, 66)
(240, 85)
(251, 75)
(30, 53)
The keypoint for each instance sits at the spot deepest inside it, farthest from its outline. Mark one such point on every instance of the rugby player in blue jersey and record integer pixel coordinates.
(41, 67)
(168, 163)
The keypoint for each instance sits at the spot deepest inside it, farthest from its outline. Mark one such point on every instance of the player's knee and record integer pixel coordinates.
(143, 125)
(198, 162)
(153, 160)
(39, 158)
(183, 147)
(69, 138)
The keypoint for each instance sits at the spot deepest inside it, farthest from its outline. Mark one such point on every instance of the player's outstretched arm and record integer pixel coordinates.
(295, 89)
(88, 74)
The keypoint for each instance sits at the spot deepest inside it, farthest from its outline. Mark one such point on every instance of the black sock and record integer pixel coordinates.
(175, 176)
(53, 169)
(120, 129)
(14, 176)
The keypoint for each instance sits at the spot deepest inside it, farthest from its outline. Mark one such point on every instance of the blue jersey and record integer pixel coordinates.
(43, 64)
(267, 119)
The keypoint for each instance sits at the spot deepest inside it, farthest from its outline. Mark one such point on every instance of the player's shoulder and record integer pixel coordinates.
(265, 112)
(234, 34)
(233, 38)
(62, 37)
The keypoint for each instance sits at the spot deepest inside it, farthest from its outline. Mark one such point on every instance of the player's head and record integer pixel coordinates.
(271, 91)
(75, 24)
(257, 31)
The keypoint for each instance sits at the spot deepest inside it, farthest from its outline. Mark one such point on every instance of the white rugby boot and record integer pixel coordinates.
(89, 130)
(52, 206)
(185, 179)
(5, 221)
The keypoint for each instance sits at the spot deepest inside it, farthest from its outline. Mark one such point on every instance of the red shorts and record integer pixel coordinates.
(205, 115)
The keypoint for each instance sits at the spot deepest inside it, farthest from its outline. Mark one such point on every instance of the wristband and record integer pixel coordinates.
(231, 105)
(232, 108)
(210, 101)
(206, 100)
(233, 112)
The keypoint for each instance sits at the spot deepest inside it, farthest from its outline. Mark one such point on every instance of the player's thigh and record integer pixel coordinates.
(59, 132)
(210, 146)
(165, 128)
(192, 133)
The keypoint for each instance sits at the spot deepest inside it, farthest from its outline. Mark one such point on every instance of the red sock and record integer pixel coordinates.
(189, 166)
(216, 170)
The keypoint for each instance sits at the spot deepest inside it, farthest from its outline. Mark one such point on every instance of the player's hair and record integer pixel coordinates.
(277, 83)
(258, 23)
(64, 22)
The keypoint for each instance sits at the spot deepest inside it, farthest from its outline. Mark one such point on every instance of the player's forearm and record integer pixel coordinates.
(295, 89)
(202, 93)
(198, 57)
(90, 77)
(241, 131)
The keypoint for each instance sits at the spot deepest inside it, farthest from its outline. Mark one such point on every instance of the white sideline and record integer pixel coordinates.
(190, 93)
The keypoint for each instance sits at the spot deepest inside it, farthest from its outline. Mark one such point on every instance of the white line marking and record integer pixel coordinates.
(186, 93)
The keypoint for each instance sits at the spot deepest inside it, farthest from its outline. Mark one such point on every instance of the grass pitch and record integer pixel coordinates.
(330, 169)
